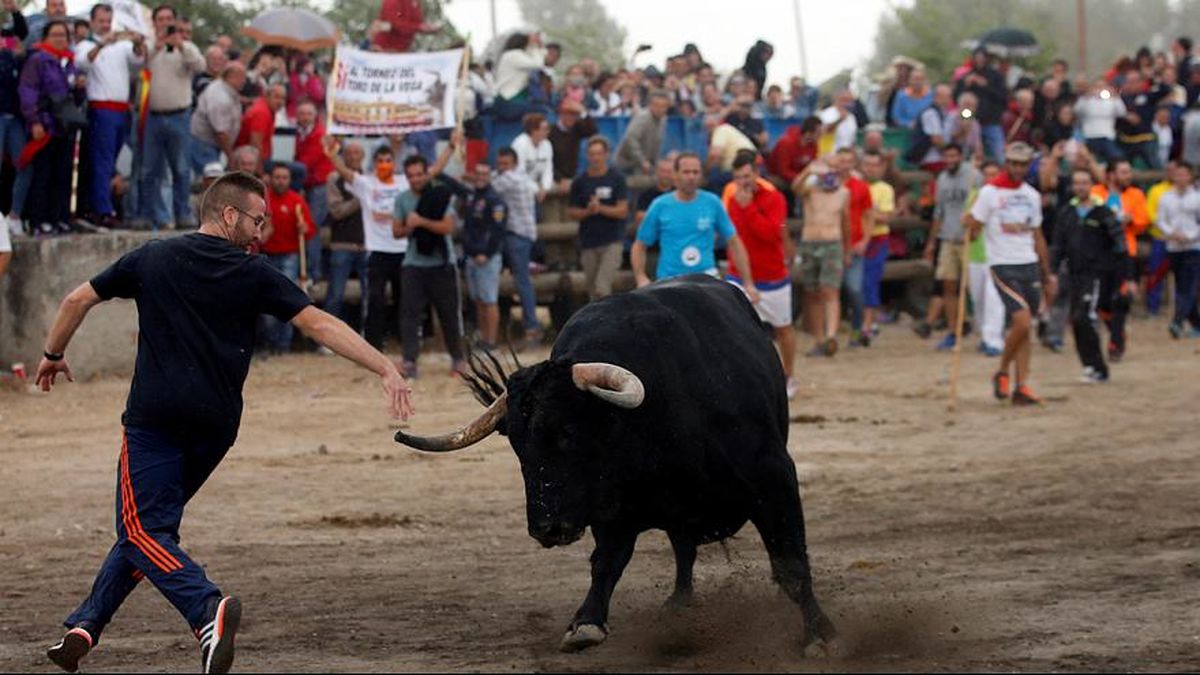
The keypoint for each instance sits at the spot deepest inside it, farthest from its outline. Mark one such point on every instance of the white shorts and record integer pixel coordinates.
(774, 306)
(5, 243)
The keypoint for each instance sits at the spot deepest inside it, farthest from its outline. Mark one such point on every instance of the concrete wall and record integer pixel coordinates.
(41, 274)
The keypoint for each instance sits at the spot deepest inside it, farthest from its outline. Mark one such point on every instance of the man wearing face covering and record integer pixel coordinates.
(376, 193)
(198, 298)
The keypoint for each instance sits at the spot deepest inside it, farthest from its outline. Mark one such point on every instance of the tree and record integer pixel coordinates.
(582, 27)
(932, 30)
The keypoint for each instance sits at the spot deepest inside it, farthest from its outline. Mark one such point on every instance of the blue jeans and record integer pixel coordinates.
(319, 207)
(279, 333)
(107, 131)
(517, 250)
(157, 476)
(341, 263)
(1104, 149)
(1158, 260)
(993, 141)
(203, 153)
(1146, 150)
(1185, 265)
(12, 142)
(165, 147)
(853, 283)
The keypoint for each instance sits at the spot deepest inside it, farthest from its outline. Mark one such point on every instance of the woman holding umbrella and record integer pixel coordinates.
(51, 96)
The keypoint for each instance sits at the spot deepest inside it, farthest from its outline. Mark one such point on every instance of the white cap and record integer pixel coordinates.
(213, 170)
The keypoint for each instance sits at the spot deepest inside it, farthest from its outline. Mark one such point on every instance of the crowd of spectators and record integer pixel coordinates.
(157, 117)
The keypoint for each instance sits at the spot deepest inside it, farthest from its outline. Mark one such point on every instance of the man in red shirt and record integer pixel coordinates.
(258, 122)
(398, 23)
(862, 222)
(310, 153)
(759, 214)
(289, 215)
(794, 150)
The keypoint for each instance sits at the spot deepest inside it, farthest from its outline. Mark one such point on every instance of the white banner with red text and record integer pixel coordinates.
(374, 93)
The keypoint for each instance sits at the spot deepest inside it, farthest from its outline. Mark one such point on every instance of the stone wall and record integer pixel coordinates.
(42, 273)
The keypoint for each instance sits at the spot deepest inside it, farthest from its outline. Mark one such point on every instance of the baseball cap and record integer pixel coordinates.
(213, 170)
(1018, 152)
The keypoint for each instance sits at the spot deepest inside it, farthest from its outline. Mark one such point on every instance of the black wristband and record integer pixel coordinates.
(52, 357)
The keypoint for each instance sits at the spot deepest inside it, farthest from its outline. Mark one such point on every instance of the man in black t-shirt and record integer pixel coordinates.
(664, 182)
(198, 298)
(599, 201)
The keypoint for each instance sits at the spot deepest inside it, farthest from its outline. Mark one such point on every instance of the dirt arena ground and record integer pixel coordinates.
(995, 539)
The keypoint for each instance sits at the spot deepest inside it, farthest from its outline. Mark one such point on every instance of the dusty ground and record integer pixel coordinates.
(997, 539)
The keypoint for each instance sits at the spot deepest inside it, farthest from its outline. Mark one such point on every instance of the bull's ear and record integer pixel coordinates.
(610, 383)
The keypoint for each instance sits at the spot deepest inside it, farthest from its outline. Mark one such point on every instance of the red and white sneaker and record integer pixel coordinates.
(216, 636)
(71, 649)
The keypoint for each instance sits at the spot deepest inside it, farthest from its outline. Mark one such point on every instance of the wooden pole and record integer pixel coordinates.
(1081, 29)
(460, 101)
(960, 320)
(302, 227)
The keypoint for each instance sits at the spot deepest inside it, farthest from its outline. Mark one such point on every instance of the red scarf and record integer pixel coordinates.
(57, 54)
(1003, 180)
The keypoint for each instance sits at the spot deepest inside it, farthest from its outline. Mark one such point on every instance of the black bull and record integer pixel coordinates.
(664, 408)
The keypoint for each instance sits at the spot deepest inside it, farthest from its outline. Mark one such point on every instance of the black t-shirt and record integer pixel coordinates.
(610, 188)
(198, 300)
(647, 197)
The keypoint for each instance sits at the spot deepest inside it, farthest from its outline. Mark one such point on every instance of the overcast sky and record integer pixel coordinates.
(838, 33)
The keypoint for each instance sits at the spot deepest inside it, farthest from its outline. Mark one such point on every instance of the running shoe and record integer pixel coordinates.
(947, 343)
(1093, 376)
(1025, 396)
(818, 351)
(1053, 344)
(922, 329)
(216, 636)
(1115, 352)
(410, 370)
(1176, 329)
(831, 346)
(1000, 385)
(458, 367)
(989, 351)
(71, 649)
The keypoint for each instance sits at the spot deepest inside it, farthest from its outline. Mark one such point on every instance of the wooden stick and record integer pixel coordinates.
(459, 102)
(960, 319)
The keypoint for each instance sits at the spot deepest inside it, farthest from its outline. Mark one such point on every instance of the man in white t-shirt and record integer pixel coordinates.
(1009, 211)
(839, 120)
(110, 60)
(376, 195)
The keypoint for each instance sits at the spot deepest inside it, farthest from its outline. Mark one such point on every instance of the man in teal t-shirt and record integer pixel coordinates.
(687, 224)
(428, 275)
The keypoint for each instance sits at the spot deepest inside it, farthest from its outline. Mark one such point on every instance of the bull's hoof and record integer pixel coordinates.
(678, 602)
(821, 648)
(820, 638)
(583, 636)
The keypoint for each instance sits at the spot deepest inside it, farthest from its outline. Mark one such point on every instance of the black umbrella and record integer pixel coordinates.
(1006, 42)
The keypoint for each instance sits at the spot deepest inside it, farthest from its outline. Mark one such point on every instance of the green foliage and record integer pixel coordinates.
(932, 30)
(582, 27)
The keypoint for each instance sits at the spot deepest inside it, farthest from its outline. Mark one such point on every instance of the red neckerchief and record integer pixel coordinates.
(57, 54)
(1003, 180)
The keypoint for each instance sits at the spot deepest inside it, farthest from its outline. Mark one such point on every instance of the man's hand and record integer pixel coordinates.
(37, 131)
(930, 248)
(1051, 288)
(860, 249)
(481, 259)
(752, 295)
(48, 371)
(647, 168)
(399, 395)
(743, 196)
(593, 206)
(541, 196)
(9, 5)
(330, 145)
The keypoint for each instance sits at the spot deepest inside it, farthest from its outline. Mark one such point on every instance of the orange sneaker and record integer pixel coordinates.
(1025, 396)
(1000, 385)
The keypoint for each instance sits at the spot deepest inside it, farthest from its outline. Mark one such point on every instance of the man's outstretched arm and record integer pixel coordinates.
(71, 313)
(336, 335)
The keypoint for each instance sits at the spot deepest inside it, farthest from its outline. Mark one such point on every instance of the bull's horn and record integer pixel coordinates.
(469, 435)
(612, 383)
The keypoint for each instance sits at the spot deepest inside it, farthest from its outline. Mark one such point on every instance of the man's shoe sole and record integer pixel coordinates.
(229, 614)
(68, 653)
